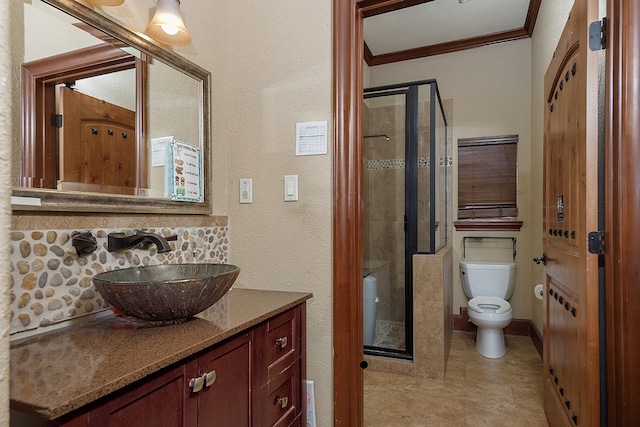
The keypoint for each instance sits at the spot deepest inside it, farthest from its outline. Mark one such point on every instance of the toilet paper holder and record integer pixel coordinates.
(538, 291)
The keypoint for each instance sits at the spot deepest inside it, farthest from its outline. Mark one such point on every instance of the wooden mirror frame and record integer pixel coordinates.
(57, 200)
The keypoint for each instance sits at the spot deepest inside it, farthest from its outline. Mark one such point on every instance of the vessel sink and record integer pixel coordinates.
(167, 293)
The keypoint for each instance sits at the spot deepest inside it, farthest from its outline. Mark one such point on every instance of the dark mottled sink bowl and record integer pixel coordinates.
(168, 292)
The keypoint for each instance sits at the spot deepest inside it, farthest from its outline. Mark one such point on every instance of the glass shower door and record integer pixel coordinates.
(405, 190)
(384, 150)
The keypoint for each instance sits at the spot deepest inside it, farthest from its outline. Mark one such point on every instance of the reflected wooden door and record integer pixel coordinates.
(571, 376)
(97, 145)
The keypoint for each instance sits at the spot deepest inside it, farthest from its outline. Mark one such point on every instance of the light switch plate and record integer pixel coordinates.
(291, 188)
(246, 191)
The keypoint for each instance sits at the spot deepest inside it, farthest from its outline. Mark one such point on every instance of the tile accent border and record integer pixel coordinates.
(423, 162)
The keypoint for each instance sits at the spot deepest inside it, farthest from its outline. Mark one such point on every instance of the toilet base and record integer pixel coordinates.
(490, 343)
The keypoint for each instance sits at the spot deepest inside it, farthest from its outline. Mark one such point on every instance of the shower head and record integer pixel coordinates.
(382, 135)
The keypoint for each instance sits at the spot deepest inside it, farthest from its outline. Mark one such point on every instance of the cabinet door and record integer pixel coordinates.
(160, 402)
(225, 400)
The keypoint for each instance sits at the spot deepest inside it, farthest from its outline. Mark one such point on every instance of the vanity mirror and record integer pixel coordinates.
(145, 145)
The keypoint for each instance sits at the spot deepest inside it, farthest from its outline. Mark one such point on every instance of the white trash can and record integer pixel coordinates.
(369, 307)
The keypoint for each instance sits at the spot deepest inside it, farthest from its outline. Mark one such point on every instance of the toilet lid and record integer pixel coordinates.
(501, 306)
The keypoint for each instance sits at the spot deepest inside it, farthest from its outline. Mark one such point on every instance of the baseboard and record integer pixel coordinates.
(536, 338)
(522, 327)
(461, 321)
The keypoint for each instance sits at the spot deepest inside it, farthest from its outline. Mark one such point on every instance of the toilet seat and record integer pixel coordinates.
(501, 306)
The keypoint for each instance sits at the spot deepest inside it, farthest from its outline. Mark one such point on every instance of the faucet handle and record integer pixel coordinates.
(85, 243)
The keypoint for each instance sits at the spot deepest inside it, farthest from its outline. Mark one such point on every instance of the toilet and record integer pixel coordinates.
(489, 286)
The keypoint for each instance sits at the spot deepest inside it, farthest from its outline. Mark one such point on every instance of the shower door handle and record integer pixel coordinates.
(542, 259)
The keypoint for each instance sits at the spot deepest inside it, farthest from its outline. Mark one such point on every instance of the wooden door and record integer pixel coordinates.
(571, 376)
(97, 145)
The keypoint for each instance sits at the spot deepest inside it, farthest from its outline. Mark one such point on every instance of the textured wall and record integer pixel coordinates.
(278, 72)
(5, 209)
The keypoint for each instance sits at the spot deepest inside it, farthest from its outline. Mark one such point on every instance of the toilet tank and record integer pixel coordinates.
(490, 279)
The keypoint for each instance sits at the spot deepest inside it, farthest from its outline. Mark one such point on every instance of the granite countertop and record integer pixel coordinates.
(56, 372)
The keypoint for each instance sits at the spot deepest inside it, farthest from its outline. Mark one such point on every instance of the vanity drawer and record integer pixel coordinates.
(281, 337)
(296, 423)
(279, 367)
(282, 406)
(280, 371)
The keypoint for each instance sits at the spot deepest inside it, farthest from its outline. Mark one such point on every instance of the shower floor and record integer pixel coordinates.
(389, 334)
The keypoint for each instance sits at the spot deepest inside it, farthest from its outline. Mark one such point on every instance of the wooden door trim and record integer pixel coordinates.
(347, 221)
(38, 79)
(348, 350)
(622, 228)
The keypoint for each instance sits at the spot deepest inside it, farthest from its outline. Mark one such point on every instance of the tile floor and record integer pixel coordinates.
(389, 334)
(475, 392)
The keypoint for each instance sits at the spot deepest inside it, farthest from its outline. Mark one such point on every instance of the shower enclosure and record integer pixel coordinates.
(405, 204)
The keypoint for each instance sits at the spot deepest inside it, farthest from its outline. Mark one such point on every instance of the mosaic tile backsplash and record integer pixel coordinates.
(51, 283)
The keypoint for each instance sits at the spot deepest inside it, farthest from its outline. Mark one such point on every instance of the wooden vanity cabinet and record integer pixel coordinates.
(252, 379)
(168, 399)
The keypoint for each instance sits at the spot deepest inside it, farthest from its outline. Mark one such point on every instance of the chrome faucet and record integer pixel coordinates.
(139, 240)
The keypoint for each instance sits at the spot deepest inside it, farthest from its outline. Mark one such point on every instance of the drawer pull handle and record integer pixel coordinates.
(196, 384)
(209, 378)
(282, 402)
(282, 342)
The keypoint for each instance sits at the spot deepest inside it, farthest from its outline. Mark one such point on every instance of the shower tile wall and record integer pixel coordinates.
(51, 283)
(432, 319)
(424, 176)
(384, 203)
(447, 104)
(384, 184)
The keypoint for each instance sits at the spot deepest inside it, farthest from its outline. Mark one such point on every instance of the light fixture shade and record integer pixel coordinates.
(167, 26)
(106, 2)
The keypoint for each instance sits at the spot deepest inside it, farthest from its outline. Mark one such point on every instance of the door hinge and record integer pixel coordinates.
(56, 121)
(598, 35)
(596, 242)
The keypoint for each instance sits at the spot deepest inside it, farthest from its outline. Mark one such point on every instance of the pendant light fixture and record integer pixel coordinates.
(167, 26)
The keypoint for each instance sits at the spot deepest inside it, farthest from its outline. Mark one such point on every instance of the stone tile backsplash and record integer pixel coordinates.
(51, 283)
